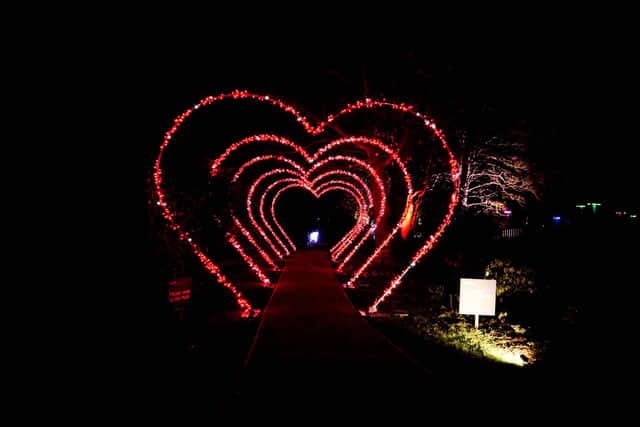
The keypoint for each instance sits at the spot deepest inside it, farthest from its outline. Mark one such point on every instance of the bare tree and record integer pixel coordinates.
(495, 175)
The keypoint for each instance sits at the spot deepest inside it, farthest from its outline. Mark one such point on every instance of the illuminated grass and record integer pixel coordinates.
(500, 342)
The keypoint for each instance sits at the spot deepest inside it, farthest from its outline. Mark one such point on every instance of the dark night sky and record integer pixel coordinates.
(569, 92)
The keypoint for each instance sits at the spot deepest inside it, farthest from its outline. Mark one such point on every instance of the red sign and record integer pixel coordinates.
(180, 290)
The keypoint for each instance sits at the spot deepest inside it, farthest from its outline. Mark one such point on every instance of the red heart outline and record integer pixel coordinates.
(312, 130)
(296, 182)
(299, 170)
(317, 192)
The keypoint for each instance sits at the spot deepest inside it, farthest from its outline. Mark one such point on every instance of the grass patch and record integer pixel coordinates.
(495, 340)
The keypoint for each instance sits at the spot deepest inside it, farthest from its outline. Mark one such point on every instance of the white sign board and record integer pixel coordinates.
(478, 296)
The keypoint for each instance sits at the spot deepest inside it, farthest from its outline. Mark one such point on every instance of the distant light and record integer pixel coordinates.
(581, 206)
(313, 237)
(507, 212)
(594, 205)
(557, 218)
(633, 216)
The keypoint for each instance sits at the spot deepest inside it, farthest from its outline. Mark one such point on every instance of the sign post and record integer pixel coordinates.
(477, 297)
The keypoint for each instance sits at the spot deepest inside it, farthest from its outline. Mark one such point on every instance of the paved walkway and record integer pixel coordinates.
(314, 351)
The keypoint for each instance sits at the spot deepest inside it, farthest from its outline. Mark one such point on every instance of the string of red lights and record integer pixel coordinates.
(362, 220)
(249, 204)
(365, 204)
(251, 240)
(236, 245)
(264, 218)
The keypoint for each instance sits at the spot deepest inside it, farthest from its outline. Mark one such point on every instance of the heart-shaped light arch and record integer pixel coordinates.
(305, 177)
(300, 169)
(214, 269)
(363, 207)
(303, 184)
(248, 235)
(363, 214)
(311, 159)
(336, 185)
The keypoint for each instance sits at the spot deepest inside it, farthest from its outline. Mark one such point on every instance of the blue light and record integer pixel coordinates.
(313, 237)
(557, 218)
